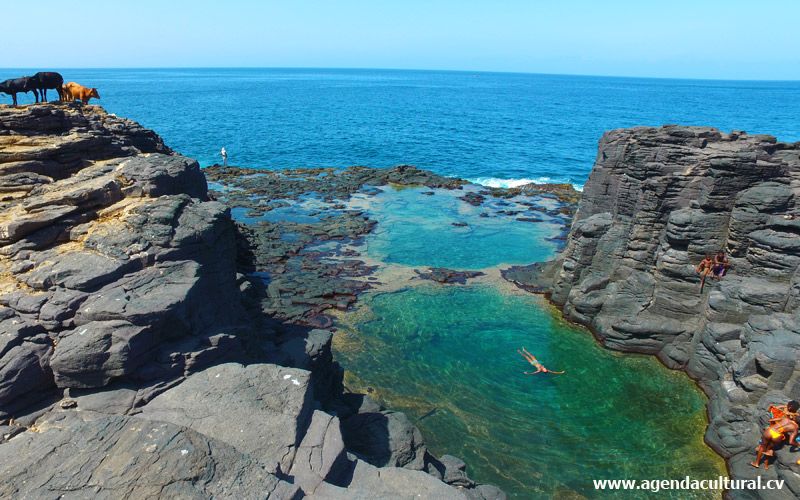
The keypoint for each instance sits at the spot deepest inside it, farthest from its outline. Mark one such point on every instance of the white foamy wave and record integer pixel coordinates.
(512, 183)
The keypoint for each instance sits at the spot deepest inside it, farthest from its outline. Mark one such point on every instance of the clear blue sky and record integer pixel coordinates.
(733, 39)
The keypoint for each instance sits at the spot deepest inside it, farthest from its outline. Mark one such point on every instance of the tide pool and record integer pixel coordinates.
(447, 354)
(450, 353)
(441, 230)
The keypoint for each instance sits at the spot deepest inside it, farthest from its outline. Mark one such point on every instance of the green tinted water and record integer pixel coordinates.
(450, 353)
(447, 356)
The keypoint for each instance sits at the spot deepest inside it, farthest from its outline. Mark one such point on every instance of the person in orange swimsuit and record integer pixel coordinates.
(704, 268)
(776, 433)
(530, 358)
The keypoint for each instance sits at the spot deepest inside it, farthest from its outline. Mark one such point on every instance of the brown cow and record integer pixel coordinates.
(74, 91)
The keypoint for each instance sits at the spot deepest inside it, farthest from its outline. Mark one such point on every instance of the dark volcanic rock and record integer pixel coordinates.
(58, 139)
(25, 373)
(329, 183)
(473, 199)
(385, 438)
(321, 457)
(535, 278)
(112, 254)
(94, 353)
(126, 457)
(656, 201)
(220, 401)
(447, 276)
(157, 175)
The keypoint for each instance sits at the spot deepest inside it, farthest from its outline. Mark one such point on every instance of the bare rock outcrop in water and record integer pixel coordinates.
(656, 201)
(130, 362)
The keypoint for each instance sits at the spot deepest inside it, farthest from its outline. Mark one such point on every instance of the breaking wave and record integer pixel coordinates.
(496, 182)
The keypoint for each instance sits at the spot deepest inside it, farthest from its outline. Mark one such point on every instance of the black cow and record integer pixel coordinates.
(25, 84)
(49, 80)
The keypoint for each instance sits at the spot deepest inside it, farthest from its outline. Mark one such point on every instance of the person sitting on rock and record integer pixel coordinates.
(780, 411)
(704, 269)
(776, 433)
(721, 265)
(530, 358)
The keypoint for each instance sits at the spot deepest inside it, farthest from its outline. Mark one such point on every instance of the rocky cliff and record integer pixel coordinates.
(132, 362)
(657, 200)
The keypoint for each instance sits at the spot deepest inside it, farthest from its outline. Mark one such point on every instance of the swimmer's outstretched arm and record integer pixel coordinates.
(556, 373)
(538, 370)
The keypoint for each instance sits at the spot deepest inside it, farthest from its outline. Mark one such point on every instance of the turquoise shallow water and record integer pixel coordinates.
(418, 230)
(447, 355)
(452, 351)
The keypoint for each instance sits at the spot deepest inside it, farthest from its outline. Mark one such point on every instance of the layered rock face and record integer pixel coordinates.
(130, 363)
(657, 200)
(112, 261)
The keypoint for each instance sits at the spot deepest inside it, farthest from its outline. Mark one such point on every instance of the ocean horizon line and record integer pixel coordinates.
(399, 70)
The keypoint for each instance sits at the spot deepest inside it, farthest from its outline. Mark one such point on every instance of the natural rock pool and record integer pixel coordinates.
(446, 354)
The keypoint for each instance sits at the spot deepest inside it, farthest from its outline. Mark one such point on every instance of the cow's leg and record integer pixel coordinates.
(14, 98)
(44, 94)
(36, 95)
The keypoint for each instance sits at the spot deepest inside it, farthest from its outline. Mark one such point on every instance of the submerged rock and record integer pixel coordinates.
(447, 276)
(535, 278)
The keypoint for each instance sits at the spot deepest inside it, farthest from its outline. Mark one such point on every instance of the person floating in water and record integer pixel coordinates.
(224, 154)
(530, 358)
(704, 268)
(721, 265)
(785, 421)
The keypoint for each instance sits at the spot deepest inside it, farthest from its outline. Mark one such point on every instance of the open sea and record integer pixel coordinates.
(495, 128)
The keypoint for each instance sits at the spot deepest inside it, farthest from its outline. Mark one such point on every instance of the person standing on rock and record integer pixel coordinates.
(224, 154)
(776, 433)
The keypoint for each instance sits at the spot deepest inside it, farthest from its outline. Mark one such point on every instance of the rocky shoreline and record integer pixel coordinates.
(657, 200)
(286, 219)
(140, 353)
(143, 323)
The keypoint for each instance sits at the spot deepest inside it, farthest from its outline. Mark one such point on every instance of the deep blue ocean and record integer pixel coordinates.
(473, 125)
